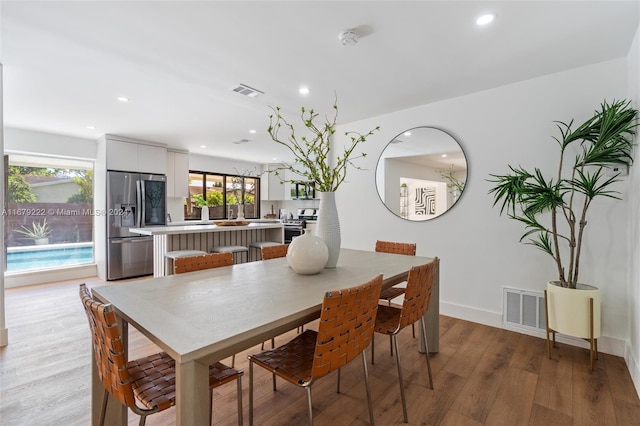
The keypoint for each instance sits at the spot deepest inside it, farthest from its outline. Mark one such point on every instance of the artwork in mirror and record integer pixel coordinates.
(421, 173)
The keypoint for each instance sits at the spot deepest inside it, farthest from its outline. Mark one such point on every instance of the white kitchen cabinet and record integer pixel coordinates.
(271, 187)
(131, 156)
(177, 174)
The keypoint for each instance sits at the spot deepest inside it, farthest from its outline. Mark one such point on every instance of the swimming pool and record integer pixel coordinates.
(49, 256)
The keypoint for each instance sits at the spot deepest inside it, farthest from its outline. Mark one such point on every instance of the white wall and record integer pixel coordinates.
(632, 353)
(479, 250)
(29, 141)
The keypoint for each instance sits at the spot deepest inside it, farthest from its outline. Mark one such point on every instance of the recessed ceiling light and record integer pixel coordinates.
(407, 133)
(304, 90)
(91, 127)
(123, 99)
(444, 155)
(275, 158)
(203, 146)
(252, 131)
(486, 19)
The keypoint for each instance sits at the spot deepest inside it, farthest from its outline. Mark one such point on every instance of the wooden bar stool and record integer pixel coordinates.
(258, 246)
(171, 256)
(232, 249)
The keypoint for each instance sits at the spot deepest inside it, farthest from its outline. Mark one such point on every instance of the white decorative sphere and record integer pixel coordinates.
(307, 254)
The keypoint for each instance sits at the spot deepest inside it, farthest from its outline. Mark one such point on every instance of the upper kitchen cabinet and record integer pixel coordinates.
(131, 155)
(177, 174)
(271, 187)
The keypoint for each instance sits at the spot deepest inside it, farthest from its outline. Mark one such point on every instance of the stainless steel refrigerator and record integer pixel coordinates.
(134, 200)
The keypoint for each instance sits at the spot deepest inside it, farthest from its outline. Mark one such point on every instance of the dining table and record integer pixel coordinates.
(202, 317)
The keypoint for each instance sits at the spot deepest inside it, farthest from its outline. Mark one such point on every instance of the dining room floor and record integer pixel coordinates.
(482, 376)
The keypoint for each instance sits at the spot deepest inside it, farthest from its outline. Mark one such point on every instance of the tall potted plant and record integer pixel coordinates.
(316, 161)
(554, 209)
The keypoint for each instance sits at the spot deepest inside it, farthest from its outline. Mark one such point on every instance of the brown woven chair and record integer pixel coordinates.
(345, 330)
(408, 249)
(391, 320)
(205, 261)
(150, 380)
(273, 252)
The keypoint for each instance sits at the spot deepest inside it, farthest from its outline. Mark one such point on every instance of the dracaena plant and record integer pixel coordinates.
(313, 157)
(554, 209)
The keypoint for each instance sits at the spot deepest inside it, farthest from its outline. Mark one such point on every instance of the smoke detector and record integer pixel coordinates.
(348, 37)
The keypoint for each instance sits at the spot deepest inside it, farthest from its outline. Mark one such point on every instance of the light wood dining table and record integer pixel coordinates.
(202, 317)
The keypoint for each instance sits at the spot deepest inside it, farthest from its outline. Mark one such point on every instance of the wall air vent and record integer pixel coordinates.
(523, 310)
(243, 89)
(241, 141)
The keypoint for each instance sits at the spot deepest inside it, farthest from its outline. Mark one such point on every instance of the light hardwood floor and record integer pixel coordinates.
(482, 376)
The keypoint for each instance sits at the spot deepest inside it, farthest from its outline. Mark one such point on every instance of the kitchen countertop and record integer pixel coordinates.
(199, 226)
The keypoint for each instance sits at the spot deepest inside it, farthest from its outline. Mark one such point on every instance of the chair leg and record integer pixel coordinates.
(426, 351)
(103, 412)
(233, 360)
(390, 339)
(413, 330)
(143, 419)
(240, 420)
(373, 343)
(250, 393)
(273, 342)
(366, 383)
(400, 380)
(274, 381)
(339, 369)
(310, 406)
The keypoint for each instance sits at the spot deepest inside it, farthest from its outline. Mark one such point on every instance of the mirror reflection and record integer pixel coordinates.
(421, 173)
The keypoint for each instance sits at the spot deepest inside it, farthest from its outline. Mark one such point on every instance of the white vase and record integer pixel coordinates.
(204, 214)
(240, 212)
(307, 254)
(328, 227)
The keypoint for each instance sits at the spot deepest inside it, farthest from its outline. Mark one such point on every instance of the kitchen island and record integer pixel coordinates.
(203, 237)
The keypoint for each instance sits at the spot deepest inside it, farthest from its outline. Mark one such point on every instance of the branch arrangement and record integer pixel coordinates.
(313, 157)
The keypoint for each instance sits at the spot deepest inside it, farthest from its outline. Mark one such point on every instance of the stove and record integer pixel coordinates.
(295, 227)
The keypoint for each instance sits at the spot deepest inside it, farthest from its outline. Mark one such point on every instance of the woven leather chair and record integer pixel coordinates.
(345, 330)
(272, 252)
(408, 249)
(205, 261)
(391, 320)
(150, 380)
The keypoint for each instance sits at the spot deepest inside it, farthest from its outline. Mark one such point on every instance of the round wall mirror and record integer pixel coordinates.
(421, 173)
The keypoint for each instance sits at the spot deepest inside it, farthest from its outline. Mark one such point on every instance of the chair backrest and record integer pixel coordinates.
(346, 325)
(204, 261)
(111, 358)
(396, 248)
(418, 292)
(272, 252)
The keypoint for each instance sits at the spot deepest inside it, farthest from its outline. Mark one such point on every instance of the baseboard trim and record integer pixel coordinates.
(633, 366)
(606, 344)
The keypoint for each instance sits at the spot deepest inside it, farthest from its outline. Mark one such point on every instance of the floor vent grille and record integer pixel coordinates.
(523, 310)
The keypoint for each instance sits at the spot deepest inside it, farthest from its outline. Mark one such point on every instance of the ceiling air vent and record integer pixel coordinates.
(243, 89)
(241, 141)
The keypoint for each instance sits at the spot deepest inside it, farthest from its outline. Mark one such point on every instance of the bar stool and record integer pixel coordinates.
(170, 256)
(231, 249)
(258, 245)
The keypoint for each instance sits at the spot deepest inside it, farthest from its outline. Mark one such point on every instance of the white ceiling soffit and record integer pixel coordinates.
(65, 63)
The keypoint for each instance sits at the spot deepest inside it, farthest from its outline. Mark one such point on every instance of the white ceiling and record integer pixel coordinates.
(66, 62)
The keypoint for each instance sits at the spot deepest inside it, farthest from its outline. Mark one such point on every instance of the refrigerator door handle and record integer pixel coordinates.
(141, 240)
(140, 203)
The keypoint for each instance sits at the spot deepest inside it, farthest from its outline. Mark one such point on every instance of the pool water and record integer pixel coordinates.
(38, 258)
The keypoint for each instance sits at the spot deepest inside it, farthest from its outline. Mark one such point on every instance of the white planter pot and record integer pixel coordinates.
(307, 254)
(568, 309)
(41, 241)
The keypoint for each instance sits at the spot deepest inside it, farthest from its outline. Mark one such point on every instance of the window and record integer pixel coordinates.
(49, 213)
(222, 194)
